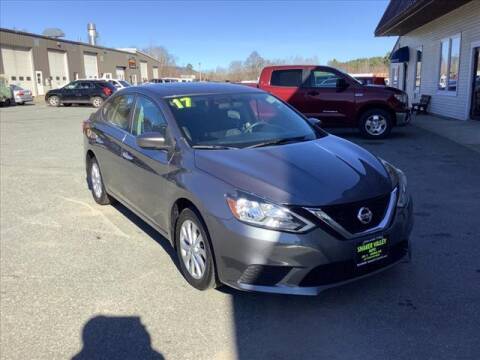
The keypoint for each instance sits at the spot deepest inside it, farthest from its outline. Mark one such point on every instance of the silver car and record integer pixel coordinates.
(21, 95)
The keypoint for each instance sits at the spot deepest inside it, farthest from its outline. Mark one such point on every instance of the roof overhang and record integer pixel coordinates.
(404, 16)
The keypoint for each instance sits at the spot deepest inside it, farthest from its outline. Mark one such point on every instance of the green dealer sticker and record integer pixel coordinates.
(371, 250)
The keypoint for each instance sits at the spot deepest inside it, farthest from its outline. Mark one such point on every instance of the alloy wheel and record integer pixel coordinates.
(96, 179)
(376, 125)
(193, 249)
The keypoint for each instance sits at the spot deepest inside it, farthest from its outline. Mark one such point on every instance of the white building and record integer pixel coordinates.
(437, 53)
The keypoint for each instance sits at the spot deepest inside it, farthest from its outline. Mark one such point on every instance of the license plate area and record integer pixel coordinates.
(370, 251)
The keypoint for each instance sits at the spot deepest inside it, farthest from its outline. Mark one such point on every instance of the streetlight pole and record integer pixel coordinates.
(200, 70)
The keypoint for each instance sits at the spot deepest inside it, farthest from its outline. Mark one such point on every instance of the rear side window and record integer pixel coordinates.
(147, 117)
(323, 79)
(291, 78)
(118, 111)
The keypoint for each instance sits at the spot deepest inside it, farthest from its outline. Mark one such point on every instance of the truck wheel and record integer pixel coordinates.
(97, 101)
(54, 101)
(376, 124)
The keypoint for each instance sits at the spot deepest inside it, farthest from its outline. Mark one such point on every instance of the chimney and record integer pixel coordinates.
(92, 34)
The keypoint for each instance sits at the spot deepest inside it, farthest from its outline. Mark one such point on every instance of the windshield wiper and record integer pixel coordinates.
(280, 141)
(213, 147)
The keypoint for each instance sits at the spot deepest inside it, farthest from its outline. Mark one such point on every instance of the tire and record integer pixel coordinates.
(376, 124)
(97, 101)
(54, 100)
(194, 256)
(96, 184)
(8, 102)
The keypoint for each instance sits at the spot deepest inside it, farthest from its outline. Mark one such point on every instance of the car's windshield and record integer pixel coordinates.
(124, 83)
(15, 87)
(238, 120)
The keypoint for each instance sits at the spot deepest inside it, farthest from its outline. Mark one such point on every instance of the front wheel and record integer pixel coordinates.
(194, 251)
(376, 124)
(54, 101)
(97, 101)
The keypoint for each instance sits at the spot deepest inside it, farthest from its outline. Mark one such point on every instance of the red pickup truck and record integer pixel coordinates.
(337, 99)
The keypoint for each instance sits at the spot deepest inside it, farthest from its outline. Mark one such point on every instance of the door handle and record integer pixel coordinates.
(126, 155)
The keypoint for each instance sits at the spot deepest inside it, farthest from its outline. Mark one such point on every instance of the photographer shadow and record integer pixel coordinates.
(112, 337)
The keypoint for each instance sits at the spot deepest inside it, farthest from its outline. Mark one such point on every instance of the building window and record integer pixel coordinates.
(449, 64)
(418, 70)
(395, 76)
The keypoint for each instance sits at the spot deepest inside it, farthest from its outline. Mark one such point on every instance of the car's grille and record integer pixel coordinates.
(346, 214)
(346, 270)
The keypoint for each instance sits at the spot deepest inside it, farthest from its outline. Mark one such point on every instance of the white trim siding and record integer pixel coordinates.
(463, 22)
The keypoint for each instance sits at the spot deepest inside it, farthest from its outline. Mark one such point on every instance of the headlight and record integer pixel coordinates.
(403, 98)
(259, 212)
(398, 180)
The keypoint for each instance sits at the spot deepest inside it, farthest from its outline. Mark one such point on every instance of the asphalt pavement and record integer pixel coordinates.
(85, 281)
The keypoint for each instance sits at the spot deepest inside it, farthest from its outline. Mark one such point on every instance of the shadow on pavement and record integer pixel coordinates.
(111, 337)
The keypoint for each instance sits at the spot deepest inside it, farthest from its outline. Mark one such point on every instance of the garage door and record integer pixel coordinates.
(120, 72)
(17, 67)
(57, 63)
(143, 71)
(155, 72)
(91, 69)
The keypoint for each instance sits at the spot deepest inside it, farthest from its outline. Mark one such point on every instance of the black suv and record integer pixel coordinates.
(81, 92)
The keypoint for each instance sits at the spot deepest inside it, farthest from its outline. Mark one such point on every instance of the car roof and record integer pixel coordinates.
(193, 88)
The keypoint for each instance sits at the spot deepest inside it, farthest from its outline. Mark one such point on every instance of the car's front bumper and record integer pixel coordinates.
(403, 118)
(250, 258)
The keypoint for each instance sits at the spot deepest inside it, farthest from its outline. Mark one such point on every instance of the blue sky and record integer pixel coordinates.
(215, 33)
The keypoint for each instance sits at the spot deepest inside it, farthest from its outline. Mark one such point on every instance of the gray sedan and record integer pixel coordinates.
(249, 192)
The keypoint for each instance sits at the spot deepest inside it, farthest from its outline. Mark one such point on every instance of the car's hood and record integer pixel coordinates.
(313, 173)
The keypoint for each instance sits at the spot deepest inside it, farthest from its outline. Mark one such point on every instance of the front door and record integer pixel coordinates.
(39, 82)
(147, 169)
(475, 107)
(69, 92)
(323, 100)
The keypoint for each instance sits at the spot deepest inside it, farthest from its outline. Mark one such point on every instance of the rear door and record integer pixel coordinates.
(148, 169)
(287, 84)
(323, 100)
(112, 130)
(85, 92)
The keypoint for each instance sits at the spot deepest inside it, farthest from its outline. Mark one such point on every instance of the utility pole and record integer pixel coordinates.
(200, 71)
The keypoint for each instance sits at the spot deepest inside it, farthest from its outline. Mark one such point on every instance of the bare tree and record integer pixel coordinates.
(165, 58)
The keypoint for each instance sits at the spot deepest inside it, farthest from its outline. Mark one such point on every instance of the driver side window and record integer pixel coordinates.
(147, 118)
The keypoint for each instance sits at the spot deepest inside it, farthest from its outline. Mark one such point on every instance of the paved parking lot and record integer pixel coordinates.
(80, 279)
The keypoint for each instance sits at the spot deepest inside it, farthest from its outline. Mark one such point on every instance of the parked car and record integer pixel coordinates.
(93, 92)
(249, 192)
(119, 84)
(337, 99)
(21, 95)
(6, 95)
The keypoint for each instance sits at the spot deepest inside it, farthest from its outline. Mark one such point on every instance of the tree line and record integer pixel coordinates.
(250, 68)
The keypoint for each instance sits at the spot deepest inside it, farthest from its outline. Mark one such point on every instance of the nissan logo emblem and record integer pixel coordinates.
(364, 215)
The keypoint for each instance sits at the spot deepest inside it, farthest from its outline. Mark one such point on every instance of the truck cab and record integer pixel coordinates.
(336, 98)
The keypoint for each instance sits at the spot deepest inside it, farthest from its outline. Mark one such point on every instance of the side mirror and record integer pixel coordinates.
(341, 84)
(315, 122)
(153, 140)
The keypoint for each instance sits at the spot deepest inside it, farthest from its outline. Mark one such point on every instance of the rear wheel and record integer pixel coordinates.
(54, 100)
(194, 251)
(376, 124)
(97, 101)
(96, 183)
